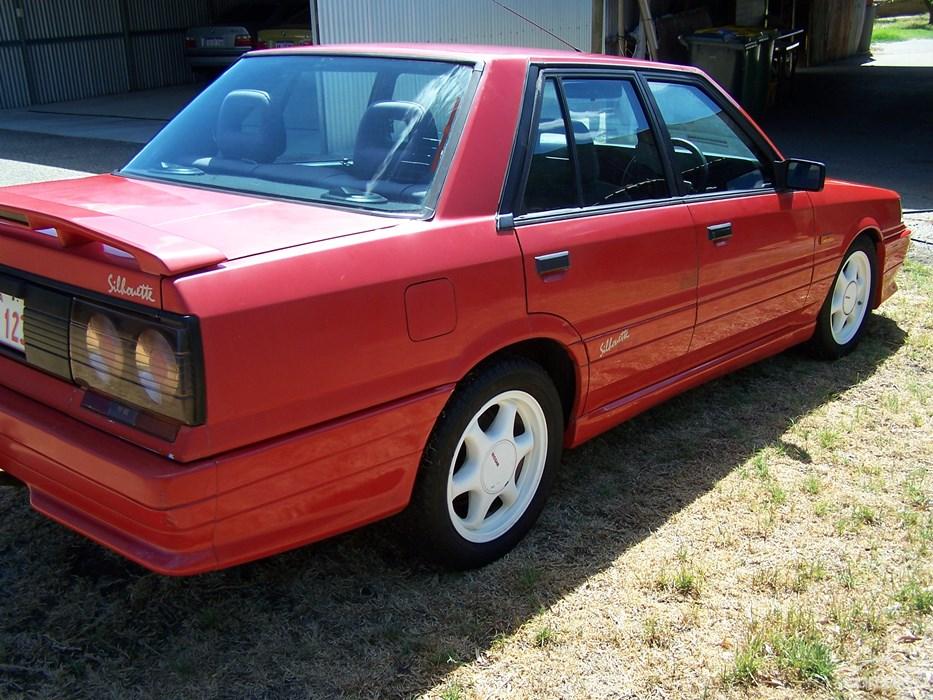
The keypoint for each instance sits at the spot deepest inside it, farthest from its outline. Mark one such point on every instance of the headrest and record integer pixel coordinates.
(249, 128)
(377, 148)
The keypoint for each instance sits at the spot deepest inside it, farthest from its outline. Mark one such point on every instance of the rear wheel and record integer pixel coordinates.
(488, 465)
(844, 314)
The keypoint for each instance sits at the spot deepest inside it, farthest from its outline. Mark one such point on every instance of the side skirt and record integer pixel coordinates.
(592, 424)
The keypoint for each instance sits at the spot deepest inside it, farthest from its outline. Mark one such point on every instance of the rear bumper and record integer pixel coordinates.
(186, 519)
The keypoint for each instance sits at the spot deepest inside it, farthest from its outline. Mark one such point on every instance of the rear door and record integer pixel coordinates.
(755, 244)
(605, 247)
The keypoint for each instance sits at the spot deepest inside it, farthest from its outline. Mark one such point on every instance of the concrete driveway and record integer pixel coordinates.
(869, 119)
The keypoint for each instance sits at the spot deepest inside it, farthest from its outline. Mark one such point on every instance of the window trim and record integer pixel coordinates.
(716, 96)
(520, 162)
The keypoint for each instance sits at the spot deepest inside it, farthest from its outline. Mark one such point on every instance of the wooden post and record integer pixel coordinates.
(647, 23)
(598, 41)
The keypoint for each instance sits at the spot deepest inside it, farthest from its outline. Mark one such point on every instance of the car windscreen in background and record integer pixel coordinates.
(352, 131)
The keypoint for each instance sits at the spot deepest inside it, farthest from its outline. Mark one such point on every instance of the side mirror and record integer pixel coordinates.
(795, 174)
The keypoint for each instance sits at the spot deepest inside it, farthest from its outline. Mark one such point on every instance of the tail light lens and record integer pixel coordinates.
(191, 42)
(146, 363)
(243, 41)
(262, 44)
(103, 347)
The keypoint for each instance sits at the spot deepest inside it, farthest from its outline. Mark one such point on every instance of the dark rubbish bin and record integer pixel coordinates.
(738, 58)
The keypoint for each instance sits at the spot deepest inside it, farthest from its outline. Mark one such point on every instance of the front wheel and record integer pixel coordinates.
(844, 314)
(488, 465)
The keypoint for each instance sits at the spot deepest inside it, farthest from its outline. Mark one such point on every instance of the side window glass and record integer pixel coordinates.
(551, 182)
(711, 153)
(617, 152)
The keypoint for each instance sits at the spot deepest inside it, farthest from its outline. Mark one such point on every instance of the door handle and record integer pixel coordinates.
(719, 232)
(552, 262)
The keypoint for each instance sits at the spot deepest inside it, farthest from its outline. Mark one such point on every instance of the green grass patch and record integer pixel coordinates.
(863, 515)
(454, 691)
(916, 599)
(750, 661)
(902, 28)
(812, 485)
(544, 637)
(655, 633)
(914, 488)
(829, 439)
(789, 646)
(776, 494)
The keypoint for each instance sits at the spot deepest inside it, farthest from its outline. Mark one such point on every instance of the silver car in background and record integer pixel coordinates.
(212, 49)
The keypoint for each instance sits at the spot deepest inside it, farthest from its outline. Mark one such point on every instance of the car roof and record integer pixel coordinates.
(475, 53)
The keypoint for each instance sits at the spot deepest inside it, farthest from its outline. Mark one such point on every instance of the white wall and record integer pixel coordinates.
(456, 22)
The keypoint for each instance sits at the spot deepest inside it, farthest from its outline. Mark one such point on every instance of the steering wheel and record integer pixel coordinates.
(703, 175)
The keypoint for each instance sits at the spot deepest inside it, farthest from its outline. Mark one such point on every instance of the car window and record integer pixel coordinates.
(711, 153)
(551, 183)
(617, 152)
(316, 128)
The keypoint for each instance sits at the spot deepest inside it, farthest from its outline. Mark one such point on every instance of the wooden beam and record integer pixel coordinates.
(647, 23)
(598, 42)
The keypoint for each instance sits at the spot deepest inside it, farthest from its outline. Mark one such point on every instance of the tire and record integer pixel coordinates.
(488, 465)
(843, 316)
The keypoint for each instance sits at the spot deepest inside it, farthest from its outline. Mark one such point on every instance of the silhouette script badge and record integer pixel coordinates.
(611, 344)
(118, 285)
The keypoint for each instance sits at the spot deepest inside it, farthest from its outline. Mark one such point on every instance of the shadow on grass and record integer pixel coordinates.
(359, 615)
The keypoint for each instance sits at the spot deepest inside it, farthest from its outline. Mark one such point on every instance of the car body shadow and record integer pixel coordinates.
(360, 615)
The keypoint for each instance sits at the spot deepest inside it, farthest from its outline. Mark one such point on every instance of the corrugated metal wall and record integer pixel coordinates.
(57, 50)
(157, 35)
(13, 91)
(457, 21)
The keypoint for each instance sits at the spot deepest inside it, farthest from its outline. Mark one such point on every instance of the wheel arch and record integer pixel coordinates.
(559, 364)
(868, 228)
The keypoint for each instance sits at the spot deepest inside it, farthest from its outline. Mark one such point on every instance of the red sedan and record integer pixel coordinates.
(347, 281)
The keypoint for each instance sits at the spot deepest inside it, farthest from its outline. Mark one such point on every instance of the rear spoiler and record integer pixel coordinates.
(155, 252)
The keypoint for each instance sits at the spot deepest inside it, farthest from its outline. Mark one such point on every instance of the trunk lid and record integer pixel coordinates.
(120, 236)
(170, 228)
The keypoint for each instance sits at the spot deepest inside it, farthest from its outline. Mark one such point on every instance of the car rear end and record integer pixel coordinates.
(208, 366)
(99, 385)
(294, 31)
(216, 47)
(236, 31)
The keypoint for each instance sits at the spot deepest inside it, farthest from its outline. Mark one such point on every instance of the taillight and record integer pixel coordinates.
(137, 360)
(191, 42)
(243, 41)
(262, 44)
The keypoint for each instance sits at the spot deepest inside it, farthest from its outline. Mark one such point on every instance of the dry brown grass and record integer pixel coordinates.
(767, 535)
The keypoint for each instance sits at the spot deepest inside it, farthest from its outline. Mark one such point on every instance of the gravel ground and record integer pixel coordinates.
(921, 226)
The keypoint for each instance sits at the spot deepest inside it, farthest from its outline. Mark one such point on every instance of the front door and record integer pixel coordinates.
(755, 244)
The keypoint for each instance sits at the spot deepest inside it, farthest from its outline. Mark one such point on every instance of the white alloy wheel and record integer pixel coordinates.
(497, 466)
(850, 297)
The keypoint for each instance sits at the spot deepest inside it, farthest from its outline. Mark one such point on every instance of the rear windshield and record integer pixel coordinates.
(350, 131)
